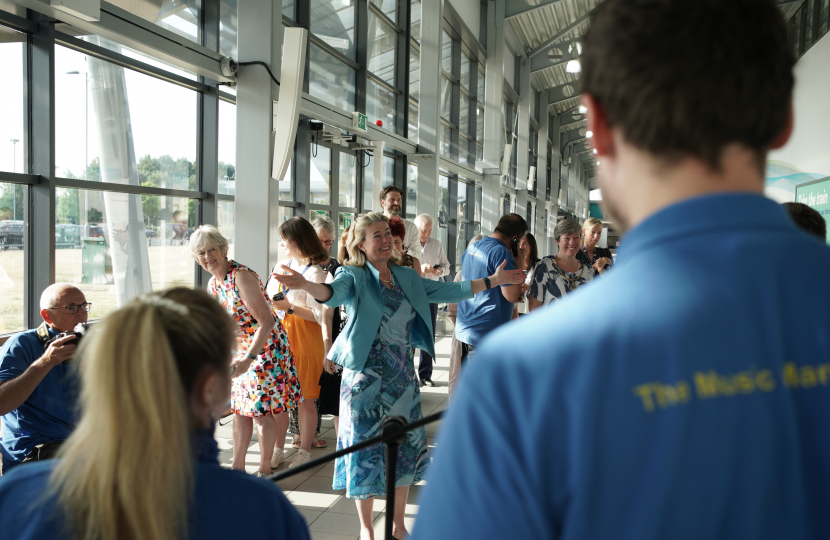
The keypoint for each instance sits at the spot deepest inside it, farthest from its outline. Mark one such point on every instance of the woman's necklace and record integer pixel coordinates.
(572, 283)
(390, 281)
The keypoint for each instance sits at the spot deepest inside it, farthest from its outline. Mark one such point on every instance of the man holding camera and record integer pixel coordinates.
(37, 387)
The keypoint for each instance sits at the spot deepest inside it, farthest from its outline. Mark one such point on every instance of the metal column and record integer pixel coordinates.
(542, 163)
(523, 138)
(493, 91)
(257, 196)
(429, 107)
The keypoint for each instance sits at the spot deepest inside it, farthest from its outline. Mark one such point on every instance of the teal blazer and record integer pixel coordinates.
(359, 289)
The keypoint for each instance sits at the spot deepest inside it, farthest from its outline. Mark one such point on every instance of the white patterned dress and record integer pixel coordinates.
(387, 386)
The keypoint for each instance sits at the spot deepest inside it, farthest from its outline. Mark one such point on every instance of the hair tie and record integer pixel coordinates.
(161, 302)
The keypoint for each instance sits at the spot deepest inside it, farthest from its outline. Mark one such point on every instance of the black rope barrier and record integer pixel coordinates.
(393, 432)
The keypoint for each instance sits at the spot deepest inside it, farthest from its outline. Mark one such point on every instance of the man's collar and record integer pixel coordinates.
(709, 213)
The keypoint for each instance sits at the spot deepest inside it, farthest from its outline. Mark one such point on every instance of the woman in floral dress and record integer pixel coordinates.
(265, 383)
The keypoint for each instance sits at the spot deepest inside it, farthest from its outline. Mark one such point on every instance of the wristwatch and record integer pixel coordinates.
(487, 283)
(290, 309)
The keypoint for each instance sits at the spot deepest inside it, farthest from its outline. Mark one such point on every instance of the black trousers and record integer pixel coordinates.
(425, 367)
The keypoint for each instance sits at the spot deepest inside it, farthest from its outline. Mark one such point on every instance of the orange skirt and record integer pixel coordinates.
(306, 341)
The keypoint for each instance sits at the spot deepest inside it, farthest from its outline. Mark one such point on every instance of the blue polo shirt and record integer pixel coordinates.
(49, 413)
(29, 511)
(487, 310)
(685, 395)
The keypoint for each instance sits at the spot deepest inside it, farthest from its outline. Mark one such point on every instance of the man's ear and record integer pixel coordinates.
(46, 316)
(787, 130)
(597, 123)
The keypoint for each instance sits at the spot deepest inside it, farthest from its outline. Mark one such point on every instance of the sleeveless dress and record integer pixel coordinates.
(270, 386)
(387, 386)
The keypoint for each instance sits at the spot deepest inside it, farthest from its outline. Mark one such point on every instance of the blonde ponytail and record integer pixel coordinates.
(127, 470)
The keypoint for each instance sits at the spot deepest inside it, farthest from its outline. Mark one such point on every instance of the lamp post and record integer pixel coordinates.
(14, 169)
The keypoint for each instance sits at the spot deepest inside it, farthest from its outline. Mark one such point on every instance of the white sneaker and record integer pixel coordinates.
(277, 458)
(301, 457)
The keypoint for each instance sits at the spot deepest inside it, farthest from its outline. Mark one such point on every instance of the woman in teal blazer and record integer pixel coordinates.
(388, 318)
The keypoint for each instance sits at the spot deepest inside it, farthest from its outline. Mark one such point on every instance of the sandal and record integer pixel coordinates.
(319, 443)
(295, 442)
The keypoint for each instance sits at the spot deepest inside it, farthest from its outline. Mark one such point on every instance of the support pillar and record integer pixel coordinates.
(523, 139)
(542, 162)
(429, 106)
(493, 91)
(257, 195)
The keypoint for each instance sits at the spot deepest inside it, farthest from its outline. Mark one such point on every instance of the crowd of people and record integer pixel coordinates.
(668, 390)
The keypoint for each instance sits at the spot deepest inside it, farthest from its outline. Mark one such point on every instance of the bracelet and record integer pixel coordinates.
(487, 283)
(250, 356)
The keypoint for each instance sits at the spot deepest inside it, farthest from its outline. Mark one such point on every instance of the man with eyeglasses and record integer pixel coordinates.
(37, 389)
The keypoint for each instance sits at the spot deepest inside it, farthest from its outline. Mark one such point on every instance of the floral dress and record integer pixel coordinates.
(270, 386)
(551, 283)
(387, 386)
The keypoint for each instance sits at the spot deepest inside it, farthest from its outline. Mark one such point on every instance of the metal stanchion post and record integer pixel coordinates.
(392, 426)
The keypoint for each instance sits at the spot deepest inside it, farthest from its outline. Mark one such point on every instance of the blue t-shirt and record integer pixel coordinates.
(685, 395)
(49, 413)
(28, 510)
(487, 310)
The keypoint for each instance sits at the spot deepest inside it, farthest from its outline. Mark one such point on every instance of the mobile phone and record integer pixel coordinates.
(436, 266)
(277, 297)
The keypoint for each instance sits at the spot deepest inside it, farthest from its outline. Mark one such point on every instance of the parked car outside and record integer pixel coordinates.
(11, 234)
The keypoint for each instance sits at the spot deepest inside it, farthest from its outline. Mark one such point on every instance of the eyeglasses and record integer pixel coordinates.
(328, 243)
(73, 308)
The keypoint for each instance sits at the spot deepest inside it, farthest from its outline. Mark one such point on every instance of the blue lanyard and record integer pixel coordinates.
(286, 289)
(590, 262)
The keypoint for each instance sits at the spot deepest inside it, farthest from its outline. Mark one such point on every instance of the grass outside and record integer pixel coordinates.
(169, 266)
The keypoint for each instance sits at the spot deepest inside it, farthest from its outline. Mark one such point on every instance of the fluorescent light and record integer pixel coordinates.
(583, 109)
(573, 66)
(589, 134)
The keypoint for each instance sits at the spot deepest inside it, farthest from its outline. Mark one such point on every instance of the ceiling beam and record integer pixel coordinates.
(514, 8)
(541, 61)
(564, 91)
(562, 33)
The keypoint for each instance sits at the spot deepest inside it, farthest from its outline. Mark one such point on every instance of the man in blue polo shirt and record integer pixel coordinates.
(687, 394)
(486, 311)
(37, 389)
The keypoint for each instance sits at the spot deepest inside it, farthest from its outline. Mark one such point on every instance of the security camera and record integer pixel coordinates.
(228, 67)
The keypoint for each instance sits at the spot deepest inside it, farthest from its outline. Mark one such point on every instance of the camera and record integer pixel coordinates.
(436, 266)
(79, 331)
(277, 297)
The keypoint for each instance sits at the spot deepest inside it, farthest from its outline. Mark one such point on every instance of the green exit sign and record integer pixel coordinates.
(359, 121)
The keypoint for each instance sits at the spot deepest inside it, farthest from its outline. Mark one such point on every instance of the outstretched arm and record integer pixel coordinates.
(295, 280)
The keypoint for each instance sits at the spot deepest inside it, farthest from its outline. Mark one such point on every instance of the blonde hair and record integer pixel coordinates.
(358, 235)
(127, 470)
(590, 223)
(207, 235)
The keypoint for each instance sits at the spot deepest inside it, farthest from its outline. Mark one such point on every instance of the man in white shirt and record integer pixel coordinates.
(434, 265)
(391, 200)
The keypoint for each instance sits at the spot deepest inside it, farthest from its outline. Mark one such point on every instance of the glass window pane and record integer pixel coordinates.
(344, 222)
(413, 122)
(179, 18)
(370, 201)
(388, 7)
(333, 22)
(443, 209)
(284, 214)
(382, 46)
(479, 123)
(415, 20)
(465, 72)
(446, 93)
(380, 105)
(227, 148)
(463, 149)
(477, 215)
(446, 53)
(287, 183)
(320, 175)
(446, 140)
(225, 219)
(12, 127)
(411, 190)
(12, 256)
(414, 73)
(348, 180)
(228, 25)
(460, 245)
(464, 116)
(330, 79)
(288, 9)
(479, 152)
(117, 245)
(480, 91)
(128, 128)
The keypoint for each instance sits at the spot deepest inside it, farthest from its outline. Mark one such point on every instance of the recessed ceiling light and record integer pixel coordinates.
(589, 134)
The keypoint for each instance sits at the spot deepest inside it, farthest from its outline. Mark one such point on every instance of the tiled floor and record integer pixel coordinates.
(329, 514)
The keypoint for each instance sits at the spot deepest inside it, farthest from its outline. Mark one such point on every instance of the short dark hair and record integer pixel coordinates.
(385, 191)
(511, 225)
(807, 218)
(397, 228)
(686, 78)
(300, 231)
